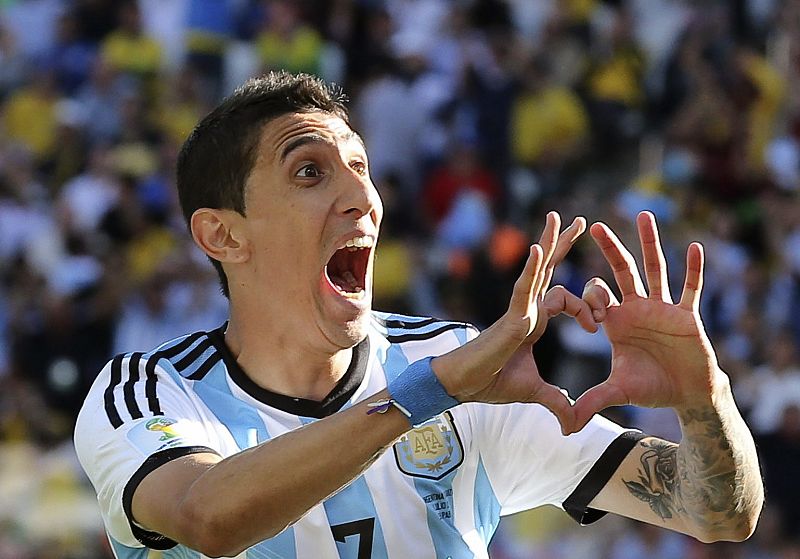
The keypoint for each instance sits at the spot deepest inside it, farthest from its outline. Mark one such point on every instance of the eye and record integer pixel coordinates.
(359, 167)
(310, 171)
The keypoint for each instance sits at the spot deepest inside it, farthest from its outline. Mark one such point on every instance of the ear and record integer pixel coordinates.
(218, 234)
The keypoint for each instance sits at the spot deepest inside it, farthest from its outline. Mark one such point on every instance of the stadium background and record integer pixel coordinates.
(479, 116)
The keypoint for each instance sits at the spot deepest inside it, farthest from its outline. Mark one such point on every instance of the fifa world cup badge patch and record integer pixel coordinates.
(431, 450)
(154, 434)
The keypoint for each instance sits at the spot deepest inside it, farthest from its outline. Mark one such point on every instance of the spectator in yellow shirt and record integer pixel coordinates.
(286, 42)
(769, 91)
(615, 86)
(30, 116)
(181, 106)
(548, 121)
(128, 49)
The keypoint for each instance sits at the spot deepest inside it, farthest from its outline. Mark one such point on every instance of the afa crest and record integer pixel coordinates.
(431, 450)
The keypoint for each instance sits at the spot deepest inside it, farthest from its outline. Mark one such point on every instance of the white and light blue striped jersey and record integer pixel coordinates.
(438, 492)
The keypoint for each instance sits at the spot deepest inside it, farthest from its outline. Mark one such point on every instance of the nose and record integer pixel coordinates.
(360, 198)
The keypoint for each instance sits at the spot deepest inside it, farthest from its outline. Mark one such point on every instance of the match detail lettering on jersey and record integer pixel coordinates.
(431, 450)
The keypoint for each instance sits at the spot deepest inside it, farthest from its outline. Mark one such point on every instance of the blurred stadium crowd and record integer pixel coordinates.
(479, 116)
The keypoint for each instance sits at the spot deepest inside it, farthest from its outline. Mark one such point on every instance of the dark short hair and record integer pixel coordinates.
(217, 158)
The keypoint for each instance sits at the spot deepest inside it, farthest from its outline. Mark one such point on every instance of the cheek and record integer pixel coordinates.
(283, 259)
(288, 238)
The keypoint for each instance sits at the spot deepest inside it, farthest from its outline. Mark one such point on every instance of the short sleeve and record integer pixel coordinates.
(136, 418)
(530, 463)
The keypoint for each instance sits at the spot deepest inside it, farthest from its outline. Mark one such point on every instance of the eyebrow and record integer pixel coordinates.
(312, 138)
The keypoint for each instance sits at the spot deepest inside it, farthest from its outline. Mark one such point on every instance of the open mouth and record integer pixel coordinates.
(347, 269)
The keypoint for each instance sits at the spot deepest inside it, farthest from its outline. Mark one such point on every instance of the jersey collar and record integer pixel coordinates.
(303, 407)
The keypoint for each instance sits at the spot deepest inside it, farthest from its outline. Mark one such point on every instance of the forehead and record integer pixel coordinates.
(291, 130)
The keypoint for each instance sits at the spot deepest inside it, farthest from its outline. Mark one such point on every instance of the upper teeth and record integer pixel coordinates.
(359, 242)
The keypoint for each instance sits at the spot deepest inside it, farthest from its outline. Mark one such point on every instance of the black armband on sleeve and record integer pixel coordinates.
(154, 540)
(577, 504)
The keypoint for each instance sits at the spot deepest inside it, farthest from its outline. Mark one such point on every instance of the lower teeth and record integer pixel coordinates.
(356, 293)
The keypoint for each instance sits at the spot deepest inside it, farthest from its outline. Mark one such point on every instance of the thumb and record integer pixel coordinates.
(594, 400)
(599, 297)
(559, 405)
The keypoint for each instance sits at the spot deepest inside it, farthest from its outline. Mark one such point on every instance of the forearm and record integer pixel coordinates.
(719, 485)
(709, 485)
(259, 492)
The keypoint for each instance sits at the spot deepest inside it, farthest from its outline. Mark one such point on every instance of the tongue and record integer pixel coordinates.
(351, 279)
(346, 281)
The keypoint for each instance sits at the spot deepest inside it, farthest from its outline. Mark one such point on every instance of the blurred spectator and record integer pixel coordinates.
(135, 151)
(20, 17)
(56, 340)
(209, 25)
(98, 18)
(495, 265)
(164, 310)
(726, 264)
(12, 63)
(780, 451)
(468, 223)
(72, 56)
(72, 144)
(743, 343)
(461, 172)
(286, 41)
(489, 86)
(783, 157)
(367, 46)
(128, 50)
(549, 125)
(398, 256)
(27, 227)
(100, 100)
(774, 387)
(182, 105)
(30, 114)
(391, 121)
(768, 86)
(166, 21)
(85, 199)
(790, 253)
(417, 18)
(615, 85)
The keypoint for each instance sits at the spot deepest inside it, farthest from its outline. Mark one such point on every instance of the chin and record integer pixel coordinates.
(352, 332)
(342, 317)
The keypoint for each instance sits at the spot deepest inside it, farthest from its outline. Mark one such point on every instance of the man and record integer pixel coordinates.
(310, 426)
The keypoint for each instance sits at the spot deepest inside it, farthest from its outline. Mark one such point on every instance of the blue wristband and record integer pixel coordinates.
(418, 390)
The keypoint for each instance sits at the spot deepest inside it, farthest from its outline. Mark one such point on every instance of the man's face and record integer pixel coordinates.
(312, 224)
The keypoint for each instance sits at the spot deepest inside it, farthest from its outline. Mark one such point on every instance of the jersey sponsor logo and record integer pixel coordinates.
(431, 450)
(154, 435)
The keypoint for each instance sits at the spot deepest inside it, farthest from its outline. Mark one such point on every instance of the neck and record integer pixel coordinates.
(280, 361)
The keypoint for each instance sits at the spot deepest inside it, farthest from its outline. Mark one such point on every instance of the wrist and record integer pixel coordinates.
(467, 370)
(444, 367)
(418, 393)
(717, 394)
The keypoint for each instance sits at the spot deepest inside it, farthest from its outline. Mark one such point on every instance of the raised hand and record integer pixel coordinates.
(661, 355)
(497, 366)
